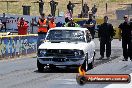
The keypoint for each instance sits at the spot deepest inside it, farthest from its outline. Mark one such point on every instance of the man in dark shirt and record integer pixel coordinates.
(85, 10)
(70, 7)
(125, 32)
(105, 33)
(90, 24)
(94, 10)
(4, 21)
(130, 52)
(53, 5)
(41, 3)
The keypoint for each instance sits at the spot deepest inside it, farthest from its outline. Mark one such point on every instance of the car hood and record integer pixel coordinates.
(63, 45)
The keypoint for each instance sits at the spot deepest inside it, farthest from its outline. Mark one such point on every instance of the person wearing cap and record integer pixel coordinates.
(105, 34)
(49, 17)
(71, 23)
(90, 24)
(22, 26)
(43, 25)
(125, 31)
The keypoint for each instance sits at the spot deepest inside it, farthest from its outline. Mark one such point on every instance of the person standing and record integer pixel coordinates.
(70, 7)
(105, 34)
(125, 30)
(43, 25)
(85, 10)
(53, 5)
(130, 52)
(90, 25)
(22, 27)
(94, 10)
(4, 21)
(41, 4)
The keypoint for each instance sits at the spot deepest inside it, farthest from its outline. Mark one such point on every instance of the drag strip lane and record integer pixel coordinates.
(22, 73)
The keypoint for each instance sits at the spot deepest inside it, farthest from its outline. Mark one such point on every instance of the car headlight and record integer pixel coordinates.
(78, 53)
(41, 53)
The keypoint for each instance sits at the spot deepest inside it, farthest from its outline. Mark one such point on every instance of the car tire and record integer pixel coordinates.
(40, 66)
(91, 65)
(85, 64)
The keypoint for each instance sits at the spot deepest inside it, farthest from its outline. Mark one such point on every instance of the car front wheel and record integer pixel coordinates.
(40, 66)
(85, 64)
(91, 65)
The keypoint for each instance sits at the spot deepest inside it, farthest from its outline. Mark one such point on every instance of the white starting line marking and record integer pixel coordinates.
(66, 81)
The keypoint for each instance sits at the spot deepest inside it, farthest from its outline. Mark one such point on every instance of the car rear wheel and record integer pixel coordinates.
(40, 66)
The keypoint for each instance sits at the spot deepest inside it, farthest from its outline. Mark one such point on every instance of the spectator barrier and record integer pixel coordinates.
(16, 45)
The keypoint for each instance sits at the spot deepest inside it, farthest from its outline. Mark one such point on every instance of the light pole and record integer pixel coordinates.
(82, 4)
(106, 6)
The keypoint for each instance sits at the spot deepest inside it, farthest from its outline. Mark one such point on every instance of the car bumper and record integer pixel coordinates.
(61, 61)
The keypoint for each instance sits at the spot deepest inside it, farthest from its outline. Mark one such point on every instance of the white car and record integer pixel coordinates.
(66, 46)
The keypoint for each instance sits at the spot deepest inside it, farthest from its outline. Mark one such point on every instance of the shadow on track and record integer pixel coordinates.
(73, 70)
(102, 61)
(59, 70)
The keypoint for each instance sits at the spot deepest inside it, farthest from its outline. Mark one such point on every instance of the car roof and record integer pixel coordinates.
(69, 28)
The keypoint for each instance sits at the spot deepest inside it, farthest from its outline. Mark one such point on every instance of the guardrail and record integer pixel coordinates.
(17, 45)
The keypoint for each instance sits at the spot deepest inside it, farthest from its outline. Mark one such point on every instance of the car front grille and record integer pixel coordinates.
(60, 52)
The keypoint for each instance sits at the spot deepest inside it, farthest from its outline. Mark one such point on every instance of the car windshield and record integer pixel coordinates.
(65, 36)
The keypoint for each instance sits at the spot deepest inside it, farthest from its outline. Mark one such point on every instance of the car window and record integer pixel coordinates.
(66, 35)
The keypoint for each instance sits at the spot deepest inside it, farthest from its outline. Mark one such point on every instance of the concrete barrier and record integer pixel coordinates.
(17, 45)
